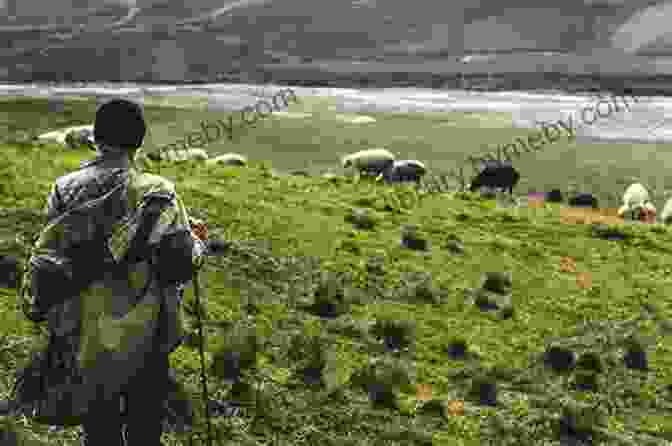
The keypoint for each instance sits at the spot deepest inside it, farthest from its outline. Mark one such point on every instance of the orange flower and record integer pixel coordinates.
(455, 408)
(423, 392)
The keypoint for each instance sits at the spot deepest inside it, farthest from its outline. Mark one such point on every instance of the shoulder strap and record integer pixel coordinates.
(139, 246)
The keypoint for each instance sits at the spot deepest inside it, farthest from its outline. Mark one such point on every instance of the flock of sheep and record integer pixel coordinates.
(496, 174)
(382, 164)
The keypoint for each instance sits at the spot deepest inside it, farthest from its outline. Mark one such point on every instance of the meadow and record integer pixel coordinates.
(326, 304)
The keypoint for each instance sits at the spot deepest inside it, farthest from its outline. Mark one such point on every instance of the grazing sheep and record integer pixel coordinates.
(60, 136)
(185, 155)
(9, 271)
(554, 196)
(645, 212)
(635, 194)
(404, 170)
(648, 213)
(666, 215)
(583, 200)
(496, 174)
(228, 159)
(78, 138)
(637, 204)
(372, 161)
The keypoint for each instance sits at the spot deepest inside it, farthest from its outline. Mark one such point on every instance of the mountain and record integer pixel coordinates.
(212, 40)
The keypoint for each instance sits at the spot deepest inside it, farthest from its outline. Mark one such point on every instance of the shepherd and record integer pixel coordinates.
(107, 275)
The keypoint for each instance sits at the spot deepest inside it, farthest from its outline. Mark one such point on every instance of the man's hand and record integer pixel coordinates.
(199, 228)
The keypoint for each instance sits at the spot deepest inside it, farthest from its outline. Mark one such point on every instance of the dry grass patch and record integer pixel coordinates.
(586, 216)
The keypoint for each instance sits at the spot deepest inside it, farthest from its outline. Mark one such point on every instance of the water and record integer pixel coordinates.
(648, 120)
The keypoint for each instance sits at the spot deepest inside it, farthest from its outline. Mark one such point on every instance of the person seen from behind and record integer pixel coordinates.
(116, 333)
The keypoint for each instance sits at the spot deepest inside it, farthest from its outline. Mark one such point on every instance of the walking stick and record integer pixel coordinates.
(202, 354)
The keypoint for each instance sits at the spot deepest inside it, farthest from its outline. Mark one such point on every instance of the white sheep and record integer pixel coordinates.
(228, 159)
(642, 212)
(77, 138)
(373, 161)
(635, 194)
(637, 204)
(185, 155)
(404, 170)
(666, 215)
(60, 135)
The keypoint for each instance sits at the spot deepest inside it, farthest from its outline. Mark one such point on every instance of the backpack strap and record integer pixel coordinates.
(139, 248)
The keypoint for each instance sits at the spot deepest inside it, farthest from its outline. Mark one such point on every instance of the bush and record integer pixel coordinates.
(396, 335)
(361, 219)
(590, 361)
(330, 297)
(559, 358)
(311, 354)
(412, 239)
(586, 381)
(499, 283)
(457, 348)
(635, 355)
(236, 354)
(578, 421)
(383, 382)
(484, 390)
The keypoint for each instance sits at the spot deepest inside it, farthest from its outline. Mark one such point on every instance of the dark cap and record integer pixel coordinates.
(120, 123)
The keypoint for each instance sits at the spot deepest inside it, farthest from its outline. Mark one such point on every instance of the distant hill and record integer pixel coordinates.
(213, 40)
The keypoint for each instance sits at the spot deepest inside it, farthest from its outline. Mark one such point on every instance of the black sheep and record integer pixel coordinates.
(405, 170)
(496, 174)
(583, 200)
(554, 196)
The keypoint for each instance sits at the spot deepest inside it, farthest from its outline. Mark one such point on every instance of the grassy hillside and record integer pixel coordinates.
(317, 141)
(295, 250)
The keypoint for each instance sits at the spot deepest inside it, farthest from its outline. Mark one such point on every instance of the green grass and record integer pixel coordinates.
(442, 140)
(289, 230)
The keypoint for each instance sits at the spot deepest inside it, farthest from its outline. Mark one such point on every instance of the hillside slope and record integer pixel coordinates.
(391, 316)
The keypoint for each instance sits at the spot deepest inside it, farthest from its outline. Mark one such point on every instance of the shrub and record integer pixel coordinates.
(606, 232)
(586, 381)
(590, 361)
(411, 239)
(578, 421)
(635, 355)
(236, 353)
(330, 297)
(559, 358)
(484, 390)
(383, 381)
(457, 348)
(396, 335)
(496, 282)
(361, 219)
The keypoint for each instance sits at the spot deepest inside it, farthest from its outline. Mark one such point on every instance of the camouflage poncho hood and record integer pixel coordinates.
(112, 325)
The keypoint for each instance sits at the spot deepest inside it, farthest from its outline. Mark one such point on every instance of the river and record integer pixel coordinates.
(649, 119)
